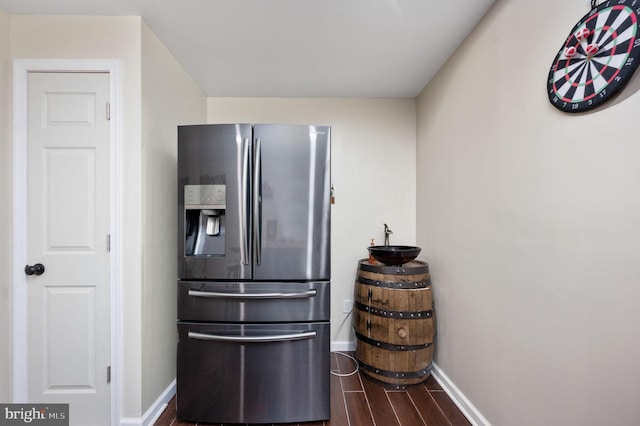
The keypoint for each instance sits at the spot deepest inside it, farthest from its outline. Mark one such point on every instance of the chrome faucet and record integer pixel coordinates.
(387, 231)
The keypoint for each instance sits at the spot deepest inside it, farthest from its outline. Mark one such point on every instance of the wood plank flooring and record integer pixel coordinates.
(357, 400)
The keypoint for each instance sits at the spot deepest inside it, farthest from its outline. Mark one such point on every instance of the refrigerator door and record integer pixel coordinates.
(214, 190)
(291, 194)
(253, 373)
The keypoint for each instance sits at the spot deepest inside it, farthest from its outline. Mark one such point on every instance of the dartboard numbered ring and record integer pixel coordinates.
(598, 57)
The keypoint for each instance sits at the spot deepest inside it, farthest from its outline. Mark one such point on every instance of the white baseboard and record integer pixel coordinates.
(343, 346)
(155, 411)
(458, 398)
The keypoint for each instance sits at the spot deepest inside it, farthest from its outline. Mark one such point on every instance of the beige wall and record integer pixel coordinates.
(157, 95)
(146, 152)
(372, 169)
(169, 98)
(529, 218)
(107, 38)
(6, 235)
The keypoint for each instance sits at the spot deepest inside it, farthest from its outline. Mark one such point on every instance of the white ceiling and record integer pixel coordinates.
(296, 48)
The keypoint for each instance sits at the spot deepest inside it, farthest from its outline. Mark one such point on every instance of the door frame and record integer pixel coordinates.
(21, 70)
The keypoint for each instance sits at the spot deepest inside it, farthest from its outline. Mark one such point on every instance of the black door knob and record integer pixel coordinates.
(37, 269)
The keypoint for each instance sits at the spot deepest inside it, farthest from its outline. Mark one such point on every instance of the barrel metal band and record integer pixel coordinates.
(389, 346)
(395, 284)
(414, 267)
(394, 314)
(396, 374)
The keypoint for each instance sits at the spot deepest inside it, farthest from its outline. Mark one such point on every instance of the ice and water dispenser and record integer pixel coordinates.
(204, 209)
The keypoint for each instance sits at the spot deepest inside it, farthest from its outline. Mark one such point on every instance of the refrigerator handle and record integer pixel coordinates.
(252, 339)
(257, 200)
(224, 295)
(244, 237)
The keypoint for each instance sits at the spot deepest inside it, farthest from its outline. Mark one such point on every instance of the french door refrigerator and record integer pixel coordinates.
(254, 273)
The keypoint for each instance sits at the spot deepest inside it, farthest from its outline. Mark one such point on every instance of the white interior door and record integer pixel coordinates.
(69, 334)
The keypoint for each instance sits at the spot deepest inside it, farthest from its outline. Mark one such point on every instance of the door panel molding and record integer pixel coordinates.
(21, 70)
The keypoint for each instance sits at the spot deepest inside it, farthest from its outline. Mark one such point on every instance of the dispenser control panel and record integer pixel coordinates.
(205, 196)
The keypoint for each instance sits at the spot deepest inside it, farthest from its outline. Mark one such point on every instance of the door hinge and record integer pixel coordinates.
(108, 243)
(109, 374)
(108, 111)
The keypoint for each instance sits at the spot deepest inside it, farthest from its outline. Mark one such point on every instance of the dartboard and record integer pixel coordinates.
(598, 57)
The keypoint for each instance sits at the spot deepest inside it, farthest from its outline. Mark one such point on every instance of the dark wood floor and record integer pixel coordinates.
(359, 401)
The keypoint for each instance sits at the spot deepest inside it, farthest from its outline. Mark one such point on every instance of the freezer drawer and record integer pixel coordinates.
(253, 373)
(253, 301)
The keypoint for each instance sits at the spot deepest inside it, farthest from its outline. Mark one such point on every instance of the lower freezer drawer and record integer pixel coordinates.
(253, 373)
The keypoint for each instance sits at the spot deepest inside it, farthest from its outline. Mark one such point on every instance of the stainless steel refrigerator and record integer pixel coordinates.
(254, 273)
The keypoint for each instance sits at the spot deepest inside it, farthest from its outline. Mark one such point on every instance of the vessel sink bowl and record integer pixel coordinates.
(394, 255)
